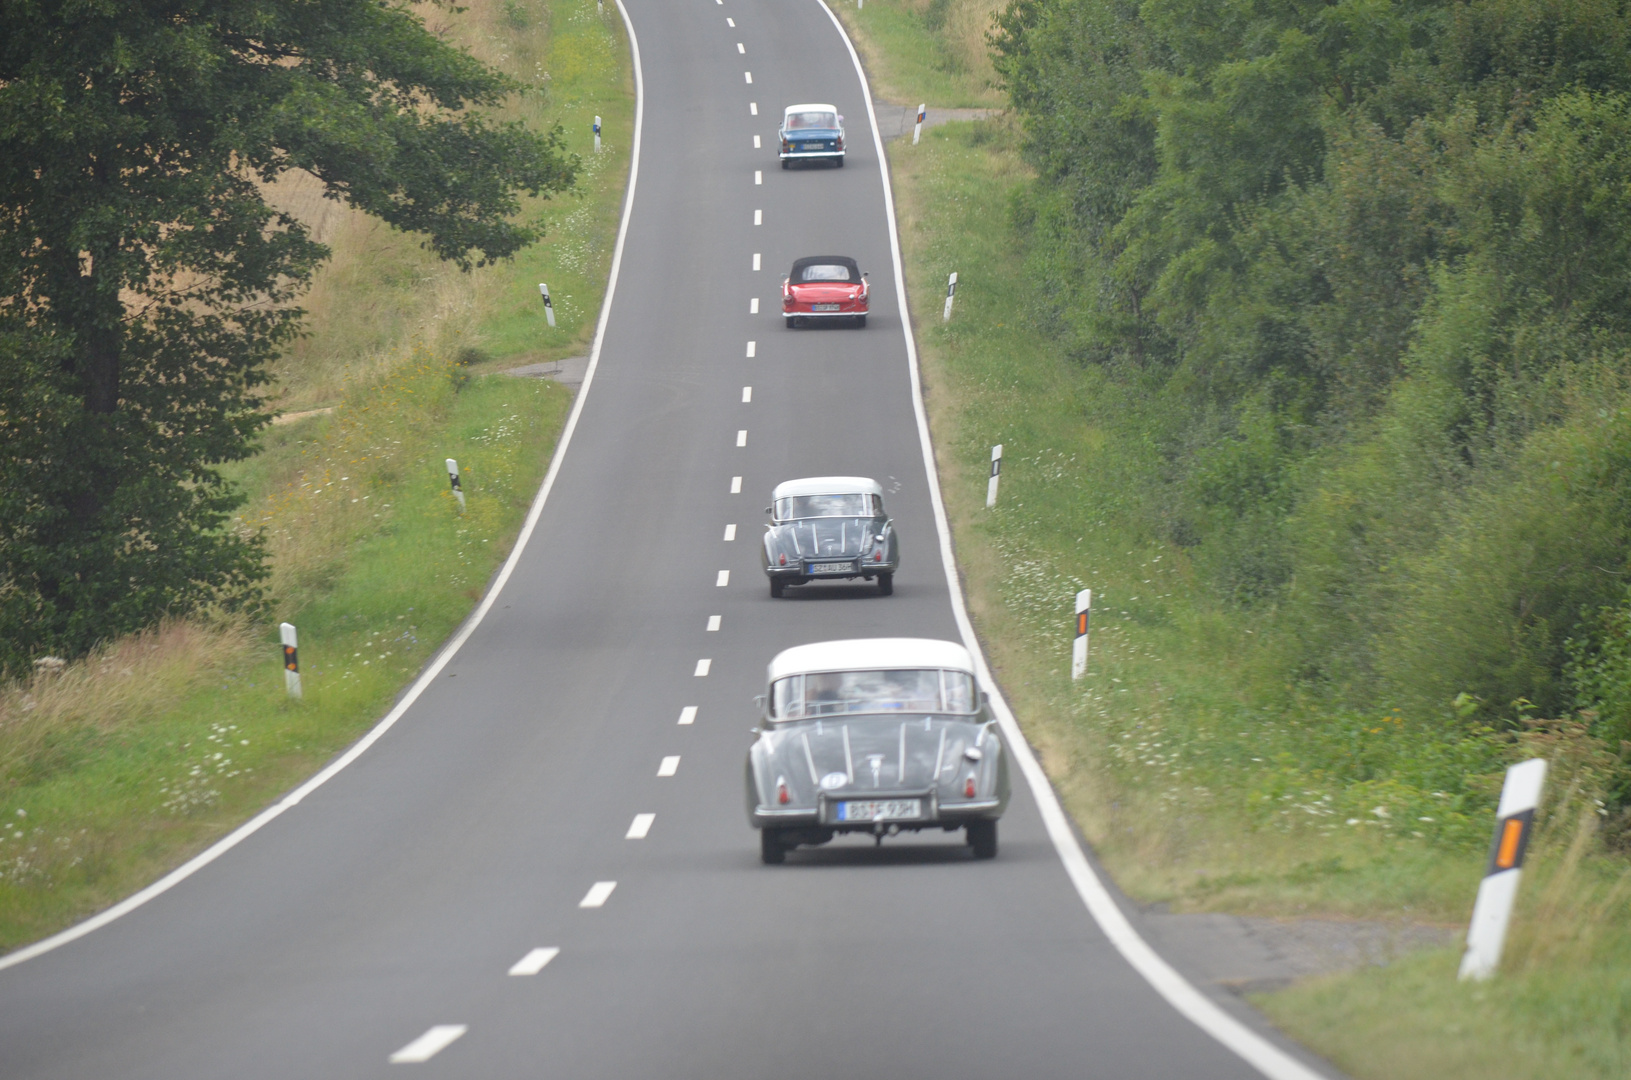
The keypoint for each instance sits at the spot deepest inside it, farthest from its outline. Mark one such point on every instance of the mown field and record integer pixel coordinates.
(1205, 777)
(121, 766)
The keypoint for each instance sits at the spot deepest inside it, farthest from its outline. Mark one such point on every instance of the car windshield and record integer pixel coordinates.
(824, 121)
(816, 506)
(833, 693)
(825, 272)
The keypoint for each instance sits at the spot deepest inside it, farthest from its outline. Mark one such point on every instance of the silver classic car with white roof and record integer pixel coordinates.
(875, 735)
(811, 132)
(829, 528)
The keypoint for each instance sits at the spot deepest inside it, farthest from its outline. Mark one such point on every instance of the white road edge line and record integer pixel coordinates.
(670, 765)
(1193, 1005)
(598, 894)
(265, 817)
(429, 1044)
(535, 961)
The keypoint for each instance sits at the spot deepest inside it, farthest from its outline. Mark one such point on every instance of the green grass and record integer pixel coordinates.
(1201, 780)
(127, 763)
(925, 50)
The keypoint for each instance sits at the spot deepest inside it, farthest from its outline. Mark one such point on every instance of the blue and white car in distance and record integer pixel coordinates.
(811, 132)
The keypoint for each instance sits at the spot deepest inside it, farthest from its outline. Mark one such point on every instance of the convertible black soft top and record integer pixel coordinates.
(845, 261)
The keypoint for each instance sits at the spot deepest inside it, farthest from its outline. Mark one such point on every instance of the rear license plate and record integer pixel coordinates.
(823, 307)
(814, 146)
(832, 568)
(881, 810)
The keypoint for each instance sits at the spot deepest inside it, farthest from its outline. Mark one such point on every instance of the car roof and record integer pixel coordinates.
(827, 485)
(810, 107)
(825, 260)
(870, 654)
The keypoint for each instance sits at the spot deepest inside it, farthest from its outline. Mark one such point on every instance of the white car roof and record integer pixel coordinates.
(827, 485)
(870, 654)
(815, 107)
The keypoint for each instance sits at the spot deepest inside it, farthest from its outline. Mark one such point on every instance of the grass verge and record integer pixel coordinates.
(121, 766)
(1202, 781)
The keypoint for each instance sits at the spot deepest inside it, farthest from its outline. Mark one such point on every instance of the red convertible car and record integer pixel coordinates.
(825, 287)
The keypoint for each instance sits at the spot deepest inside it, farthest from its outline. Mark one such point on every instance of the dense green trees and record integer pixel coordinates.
(1362, 273)
(144, 281)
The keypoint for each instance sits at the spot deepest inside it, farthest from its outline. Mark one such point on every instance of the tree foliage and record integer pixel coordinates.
(145, 281)
(1361, 271)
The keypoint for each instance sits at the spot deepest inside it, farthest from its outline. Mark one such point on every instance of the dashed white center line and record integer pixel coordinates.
(731, 23)
(429, 1044)
(748, 75)
(758, 176)
(639, 826)
(741, 50)
(730, 532)
(736, 485)
(670, 766)
(753, 306)
(753, 108)
(702, 667)
(758, 215)
(756, 260)
(756, 147)
(713, 624)
(747, 394)
(688, 715)
(753, 347)
(535, 961)
(742, 437)
(598, 894)
(723, 579)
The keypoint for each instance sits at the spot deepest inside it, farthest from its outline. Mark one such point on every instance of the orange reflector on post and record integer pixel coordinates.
(1507, 853)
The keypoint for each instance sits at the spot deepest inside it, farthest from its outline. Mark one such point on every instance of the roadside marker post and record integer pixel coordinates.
(291, 659)
(1514, 821)
(996, 471)
(597, 134)
(922, 111)
(951, 293)
(1078, 648)
(549, 308)
(453, 480)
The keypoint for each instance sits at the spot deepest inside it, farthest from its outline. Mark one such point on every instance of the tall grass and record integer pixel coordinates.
(930, 51)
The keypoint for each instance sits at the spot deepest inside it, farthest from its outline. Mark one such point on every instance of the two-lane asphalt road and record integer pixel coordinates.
(571, 779)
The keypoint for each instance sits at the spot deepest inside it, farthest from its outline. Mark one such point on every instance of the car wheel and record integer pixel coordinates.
(982, 837)
(771, 851)
(786, 163)
(792, 322)
(860, 321)
(840, 162)
(886, 584)
(776, 586)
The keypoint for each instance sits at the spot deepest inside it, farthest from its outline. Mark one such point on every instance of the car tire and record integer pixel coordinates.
(840, 161)
(792, 322)
(777, 585)
(771, 851)
(982, 837)
(786, 163)
(886, 584)
(860, 322)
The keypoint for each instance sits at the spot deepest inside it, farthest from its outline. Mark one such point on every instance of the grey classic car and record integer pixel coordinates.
(811, 132)
(829, 527)
(875, 735)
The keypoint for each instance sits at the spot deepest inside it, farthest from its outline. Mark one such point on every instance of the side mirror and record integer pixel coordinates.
(768, 510)
(758, 701)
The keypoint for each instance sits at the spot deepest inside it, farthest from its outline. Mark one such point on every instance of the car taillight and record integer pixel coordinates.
(968, 789)
(877, 556)
(782, 559)
(781, 791)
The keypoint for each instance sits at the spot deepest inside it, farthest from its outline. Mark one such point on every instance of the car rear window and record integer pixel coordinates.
(824, 272)
(835, 693)
(818, 120)
(815, 506)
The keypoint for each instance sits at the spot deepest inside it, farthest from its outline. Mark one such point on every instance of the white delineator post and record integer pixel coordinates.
(291, 659)
(453, 480)
(549, 308)
(1514, 821)
(918, 130)
(951, 292)
(996, 471)
(597, 134)
(1078, 648)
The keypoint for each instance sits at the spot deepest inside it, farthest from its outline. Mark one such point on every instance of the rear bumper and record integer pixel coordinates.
(852, 313)
(796, 574)
(941, 815)
(795, 155)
